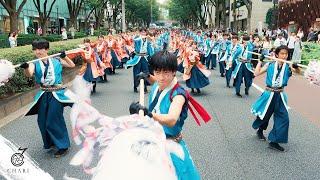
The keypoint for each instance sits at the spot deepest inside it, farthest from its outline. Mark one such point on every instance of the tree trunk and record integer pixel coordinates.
(73, 21)
(249, 19)
(235, 22)
(43, 25)
(114, 19)
(98, 19)
(224, 16)
(13, 21)
(217, 15)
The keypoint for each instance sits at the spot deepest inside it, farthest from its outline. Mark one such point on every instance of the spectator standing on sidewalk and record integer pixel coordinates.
(13, 39)
(64, 34)
(91, 30)
(300, 33)
(311, 35)
(290, 42)
(72, 31)
(279, 41)
(296, 57)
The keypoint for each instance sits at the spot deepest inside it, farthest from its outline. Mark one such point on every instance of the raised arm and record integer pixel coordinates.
(173, 115)
(65, 61)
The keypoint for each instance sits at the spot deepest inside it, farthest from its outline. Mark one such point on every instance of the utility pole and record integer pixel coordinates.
(151, 11)
(123, 13)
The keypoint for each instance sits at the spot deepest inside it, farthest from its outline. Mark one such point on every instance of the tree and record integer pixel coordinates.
(44, 13)
(138, 12)
(235, 21)
(11, 7)
(188, 12)
(248, 4)
(271, 17)
(74, 7)
(220, 12)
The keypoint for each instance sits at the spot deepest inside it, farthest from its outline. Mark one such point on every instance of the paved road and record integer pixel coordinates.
(225, 148)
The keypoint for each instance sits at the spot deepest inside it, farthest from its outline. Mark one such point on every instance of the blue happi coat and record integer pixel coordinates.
(138, 42)
(260, 107)
(232, 53)
(246, 55)
(223, 49)
(212, 47)
(54, 79)
(185, 168)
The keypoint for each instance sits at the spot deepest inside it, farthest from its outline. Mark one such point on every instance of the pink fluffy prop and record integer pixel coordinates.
(312, 73)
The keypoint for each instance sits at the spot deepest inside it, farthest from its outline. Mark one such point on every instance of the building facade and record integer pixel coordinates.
(295, 14)
(258, 17)
(29, 17)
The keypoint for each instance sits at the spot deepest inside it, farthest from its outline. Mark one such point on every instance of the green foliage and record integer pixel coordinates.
(269, 17)
(185, 11)
(311, 51)
(20, 83)
(101, 31)
(26, 39)
(140, 10)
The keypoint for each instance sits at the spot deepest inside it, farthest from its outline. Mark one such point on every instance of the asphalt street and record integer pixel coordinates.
(225, 148)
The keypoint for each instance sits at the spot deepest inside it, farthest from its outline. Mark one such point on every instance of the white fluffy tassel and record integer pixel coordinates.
(6, 71)
(312, 73)
(82, 88)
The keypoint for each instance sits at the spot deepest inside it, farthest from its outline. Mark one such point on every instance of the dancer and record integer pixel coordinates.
(233, 52)
(168, 104)
(243, 68)
(50, 100)
(195, 74)
(143, 49)
(274, 100)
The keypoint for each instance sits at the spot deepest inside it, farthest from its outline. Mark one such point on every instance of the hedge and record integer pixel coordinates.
(20, 83)
(311, 51)
(26, 39)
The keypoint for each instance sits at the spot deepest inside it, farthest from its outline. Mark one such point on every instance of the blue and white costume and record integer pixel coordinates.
(159, 102)
(49, 104)
(274, 102)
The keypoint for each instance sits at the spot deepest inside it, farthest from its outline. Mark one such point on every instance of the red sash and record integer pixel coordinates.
(194, 107)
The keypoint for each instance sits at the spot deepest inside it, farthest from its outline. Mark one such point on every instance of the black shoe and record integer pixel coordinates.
(260, 135)
(60, 152)
(198, 91)
(212, 68)
(192, 90)
(246, 91)
(276, 146)
(239, 95)
(135, 90)
(145, 90)
(222, 75)
(228, 86)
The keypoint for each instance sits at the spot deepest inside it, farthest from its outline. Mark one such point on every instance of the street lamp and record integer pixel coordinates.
(123, 13)
(58, 24)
